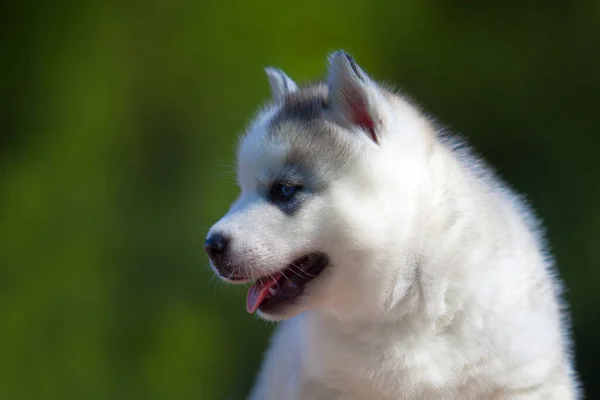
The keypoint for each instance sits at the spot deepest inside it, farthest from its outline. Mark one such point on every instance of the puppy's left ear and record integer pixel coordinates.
(281, 84)
(355, 99)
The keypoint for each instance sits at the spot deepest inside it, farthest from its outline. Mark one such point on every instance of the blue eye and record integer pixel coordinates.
(284, 191)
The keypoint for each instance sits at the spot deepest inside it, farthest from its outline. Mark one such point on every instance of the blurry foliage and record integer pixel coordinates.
(118, 122)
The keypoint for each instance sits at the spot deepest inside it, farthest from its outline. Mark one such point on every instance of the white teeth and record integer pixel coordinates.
(272, 291)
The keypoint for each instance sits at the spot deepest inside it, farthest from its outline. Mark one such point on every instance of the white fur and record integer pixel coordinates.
(440, 287)
(281, 84)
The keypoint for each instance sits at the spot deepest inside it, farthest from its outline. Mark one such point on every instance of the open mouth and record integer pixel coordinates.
(283, 287)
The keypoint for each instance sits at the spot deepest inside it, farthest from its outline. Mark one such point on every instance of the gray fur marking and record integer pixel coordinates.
(316, 141)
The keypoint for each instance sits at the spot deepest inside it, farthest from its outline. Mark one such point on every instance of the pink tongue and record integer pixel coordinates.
(258, 292)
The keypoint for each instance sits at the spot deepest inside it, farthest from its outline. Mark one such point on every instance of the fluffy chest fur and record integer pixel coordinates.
(461, 357)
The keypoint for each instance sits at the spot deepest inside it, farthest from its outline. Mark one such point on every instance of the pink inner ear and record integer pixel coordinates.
(361, 117)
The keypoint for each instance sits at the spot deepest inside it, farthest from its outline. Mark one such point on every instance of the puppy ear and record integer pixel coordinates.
(355, 98)
(281, 84)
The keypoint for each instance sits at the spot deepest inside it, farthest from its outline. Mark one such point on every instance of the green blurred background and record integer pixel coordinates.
(118, 122)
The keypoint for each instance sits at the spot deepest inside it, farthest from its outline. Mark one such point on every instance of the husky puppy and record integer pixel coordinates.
(399, 265)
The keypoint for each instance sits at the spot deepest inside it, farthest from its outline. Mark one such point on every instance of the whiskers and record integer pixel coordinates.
(296, 269)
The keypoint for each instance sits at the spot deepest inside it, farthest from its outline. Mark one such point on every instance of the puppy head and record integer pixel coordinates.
(330, 178)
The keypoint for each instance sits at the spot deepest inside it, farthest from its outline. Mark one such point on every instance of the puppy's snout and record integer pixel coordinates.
(216, 246)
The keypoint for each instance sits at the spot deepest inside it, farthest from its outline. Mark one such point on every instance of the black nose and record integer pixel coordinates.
(216, 246)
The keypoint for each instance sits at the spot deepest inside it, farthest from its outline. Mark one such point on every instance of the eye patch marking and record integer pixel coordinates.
(287, 196)
(283, 191)
(286, 190)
